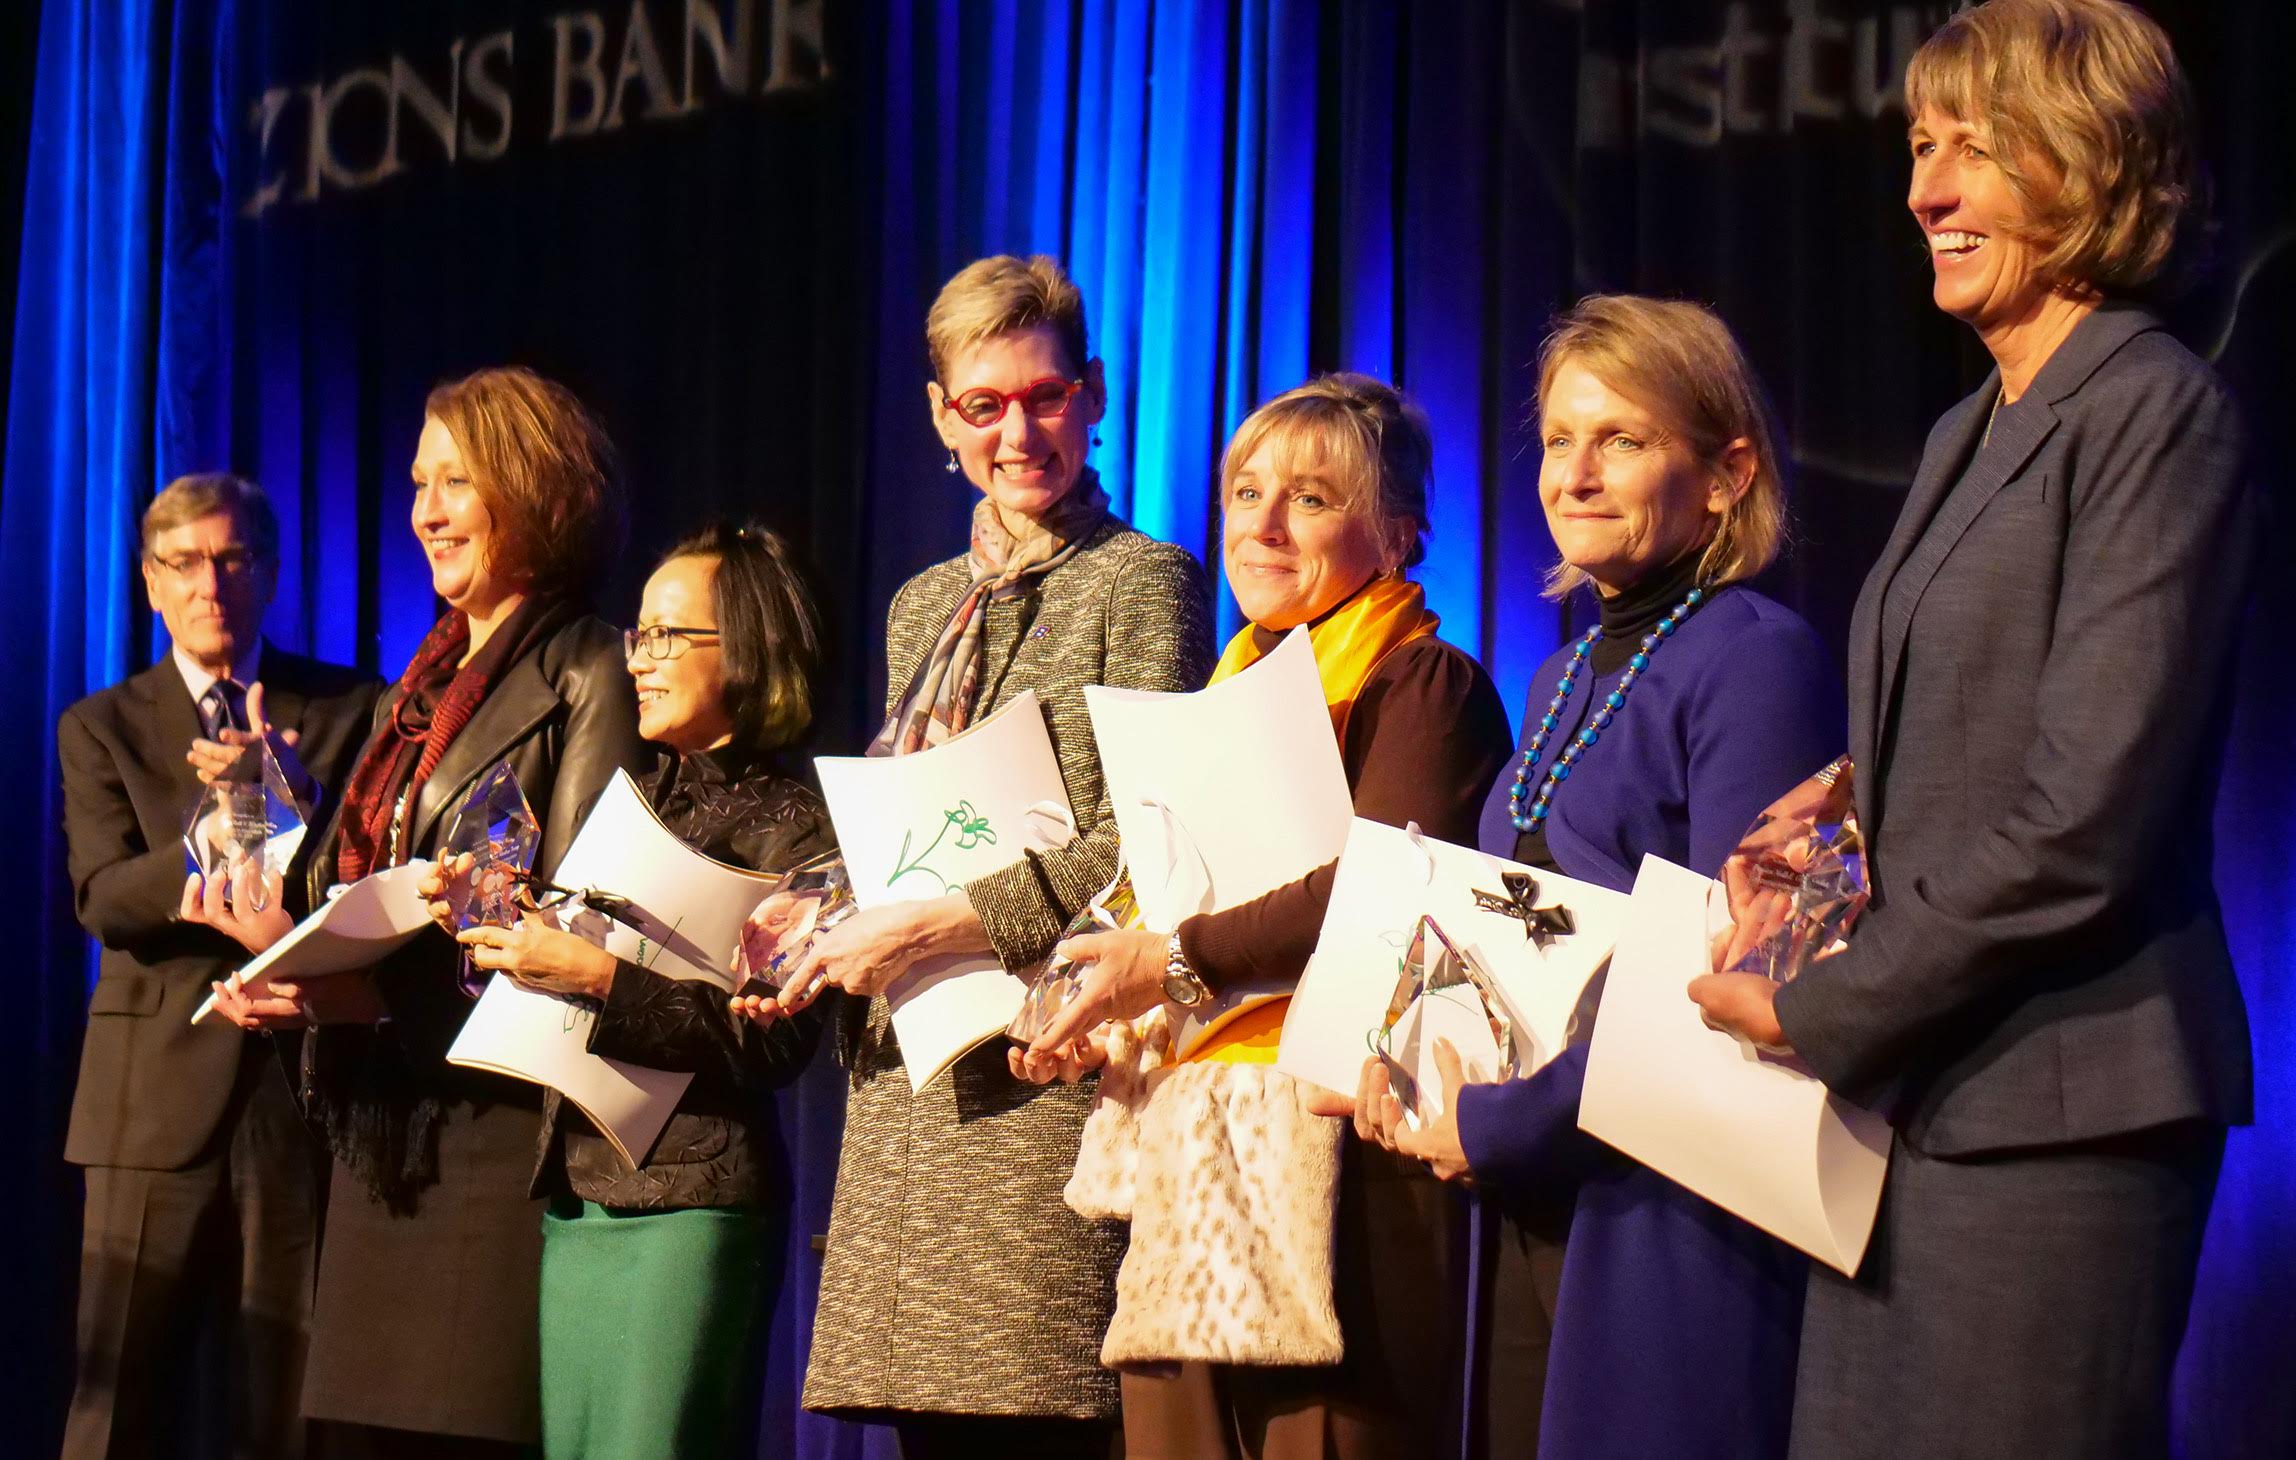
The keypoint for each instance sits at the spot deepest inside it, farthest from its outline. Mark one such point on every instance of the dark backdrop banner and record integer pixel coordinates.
(255, 232)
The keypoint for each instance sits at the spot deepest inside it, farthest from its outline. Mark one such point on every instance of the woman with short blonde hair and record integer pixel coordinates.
(2045, 1007)
(961, 1301)
(1340, 1332)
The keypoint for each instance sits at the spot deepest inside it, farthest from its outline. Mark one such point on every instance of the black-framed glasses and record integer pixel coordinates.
(1046, 399)
(663, 641)
(229, 564)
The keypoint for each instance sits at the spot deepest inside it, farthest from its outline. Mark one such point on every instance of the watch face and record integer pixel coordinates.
(1185, 992)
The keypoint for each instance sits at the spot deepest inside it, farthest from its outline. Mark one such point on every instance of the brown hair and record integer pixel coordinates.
(997, 295)
(1678, 361)
(2089, 119)
(545, 470)
(205, 493)
(1373, 445)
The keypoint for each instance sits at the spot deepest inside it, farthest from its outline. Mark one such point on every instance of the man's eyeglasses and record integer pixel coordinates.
(1045, 399)
(229, 564)
(663, 641)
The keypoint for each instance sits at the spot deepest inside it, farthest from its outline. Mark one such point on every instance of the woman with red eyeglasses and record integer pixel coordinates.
(961, 1300)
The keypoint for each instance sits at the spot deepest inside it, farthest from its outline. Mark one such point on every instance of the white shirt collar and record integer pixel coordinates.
(199, 680)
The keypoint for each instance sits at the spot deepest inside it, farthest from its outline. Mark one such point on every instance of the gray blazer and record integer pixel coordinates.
(2037, 715)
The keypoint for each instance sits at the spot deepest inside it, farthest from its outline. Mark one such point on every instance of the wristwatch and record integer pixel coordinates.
(1182, 984)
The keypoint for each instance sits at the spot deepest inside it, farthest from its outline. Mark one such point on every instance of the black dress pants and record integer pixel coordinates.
(194, 1290)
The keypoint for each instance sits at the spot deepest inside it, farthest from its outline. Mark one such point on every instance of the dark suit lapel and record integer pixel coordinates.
(284, 703)
(1956, 438)
(173, 718)
(523, 700)
(2017, 434)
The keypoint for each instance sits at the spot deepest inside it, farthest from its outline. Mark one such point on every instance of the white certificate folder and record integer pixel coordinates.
(1388, 879)
(681, 916)
(921, 826)
(1755, 1134)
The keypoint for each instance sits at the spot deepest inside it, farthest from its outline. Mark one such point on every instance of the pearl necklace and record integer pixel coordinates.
(1583, 742)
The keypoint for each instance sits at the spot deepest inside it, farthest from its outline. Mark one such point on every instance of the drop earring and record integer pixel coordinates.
(951, 468)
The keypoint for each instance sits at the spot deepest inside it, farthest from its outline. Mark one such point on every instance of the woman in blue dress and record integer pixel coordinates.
(1620, 1315)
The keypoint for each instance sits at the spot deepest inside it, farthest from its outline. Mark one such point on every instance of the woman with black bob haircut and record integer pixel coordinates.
(651, 1275)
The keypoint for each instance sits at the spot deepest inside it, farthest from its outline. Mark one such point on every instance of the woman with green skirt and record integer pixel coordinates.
(651, 1275)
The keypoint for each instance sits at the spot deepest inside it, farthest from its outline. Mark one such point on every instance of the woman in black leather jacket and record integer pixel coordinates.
(651, 1275)
(422, 1331)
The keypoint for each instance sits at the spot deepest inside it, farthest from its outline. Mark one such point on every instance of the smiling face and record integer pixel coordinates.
(1293, 546)
(682, 701)
(1623, 495)
(208, 586)
(1025, 464)
(1980, 274)
(453, 525)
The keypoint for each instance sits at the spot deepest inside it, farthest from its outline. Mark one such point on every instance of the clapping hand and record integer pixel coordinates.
(214, 759)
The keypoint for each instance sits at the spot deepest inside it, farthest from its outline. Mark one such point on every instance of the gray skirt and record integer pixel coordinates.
(956, 1280)
(2026, 1304)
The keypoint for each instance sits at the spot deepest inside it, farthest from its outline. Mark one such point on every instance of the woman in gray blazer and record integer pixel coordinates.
(2040, 996)
(961, 1300)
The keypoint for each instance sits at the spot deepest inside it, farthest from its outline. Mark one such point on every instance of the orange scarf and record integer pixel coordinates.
(1350, 644)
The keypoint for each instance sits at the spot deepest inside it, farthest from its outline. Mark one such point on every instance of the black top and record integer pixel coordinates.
(1627, 616)
(738, 807)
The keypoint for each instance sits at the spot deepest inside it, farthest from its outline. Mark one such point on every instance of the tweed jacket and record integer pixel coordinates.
(956, 1279)
(2040, 666)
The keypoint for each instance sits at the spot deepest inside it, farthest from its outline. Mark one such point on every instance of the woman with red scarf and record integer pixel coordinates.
(423, 1338)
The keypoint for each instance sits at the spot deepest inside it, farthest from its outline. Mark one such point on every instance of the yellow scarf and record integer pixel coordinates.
(1350, 642)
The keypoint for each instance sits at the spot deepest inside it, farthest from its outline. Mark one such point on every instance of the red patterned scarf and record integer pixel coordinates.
(434, 701)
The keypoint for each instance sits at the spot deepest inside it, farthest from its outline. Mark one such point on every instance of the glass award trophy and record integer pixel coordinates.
(247, 819)
(811, 900)
(1057, 983)
(1435, 968)
(498, 831)
(1791, 892)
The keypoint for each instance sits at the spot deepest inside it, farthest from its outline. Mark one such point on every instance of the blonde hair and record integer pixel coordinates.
(997, 295)
(2089, 119)
(1678, 361)
(205, 493)
(543, 466)
(1367, 440)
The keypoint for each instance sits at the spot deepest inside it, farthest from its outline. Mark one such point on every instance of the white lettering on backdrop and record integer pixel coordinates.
(610, 68)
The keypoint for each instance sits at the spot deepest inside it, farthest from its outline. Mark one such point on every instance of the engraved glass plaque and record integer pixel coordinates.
(248, 816)
(497, 829)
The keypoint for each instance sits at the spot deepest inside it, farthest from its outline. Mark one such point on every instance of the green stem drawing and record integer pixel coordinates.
(972, 830)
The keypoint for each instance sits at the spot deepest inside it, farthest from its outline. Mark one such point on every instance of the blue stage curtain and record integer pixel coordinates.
(1248, 192)
(80, 464)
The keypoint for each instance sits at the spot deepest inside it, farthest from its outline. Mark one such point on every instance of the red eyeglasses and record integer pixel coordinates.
(1045, 399)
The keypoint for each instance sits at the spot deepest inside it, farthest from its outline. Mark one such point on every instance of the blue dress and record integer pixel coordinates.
(1675, 1325)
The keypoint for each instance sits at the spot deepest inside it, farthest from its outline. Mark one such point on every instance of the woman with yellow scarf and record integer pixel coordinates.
(1348, 1345)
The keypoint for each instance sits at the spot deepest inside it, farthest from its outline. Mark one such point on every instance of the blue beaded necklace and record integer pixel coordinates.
(1583, 742)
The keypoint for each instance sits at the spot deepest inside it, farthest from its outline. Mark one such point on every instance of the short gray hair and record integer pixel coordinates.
(205, 493)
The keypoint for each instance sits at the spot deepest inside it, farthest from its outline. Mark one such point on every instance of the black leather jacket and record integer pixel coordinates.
(565, 718)
(738, 808)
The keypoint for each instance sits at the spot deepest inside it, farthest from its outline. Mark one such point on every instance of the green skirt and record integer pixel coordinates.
(647, 1327)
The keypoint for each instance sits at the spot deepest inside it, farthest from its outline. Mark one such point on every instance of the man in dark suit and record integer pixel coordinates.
(202, 1182)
